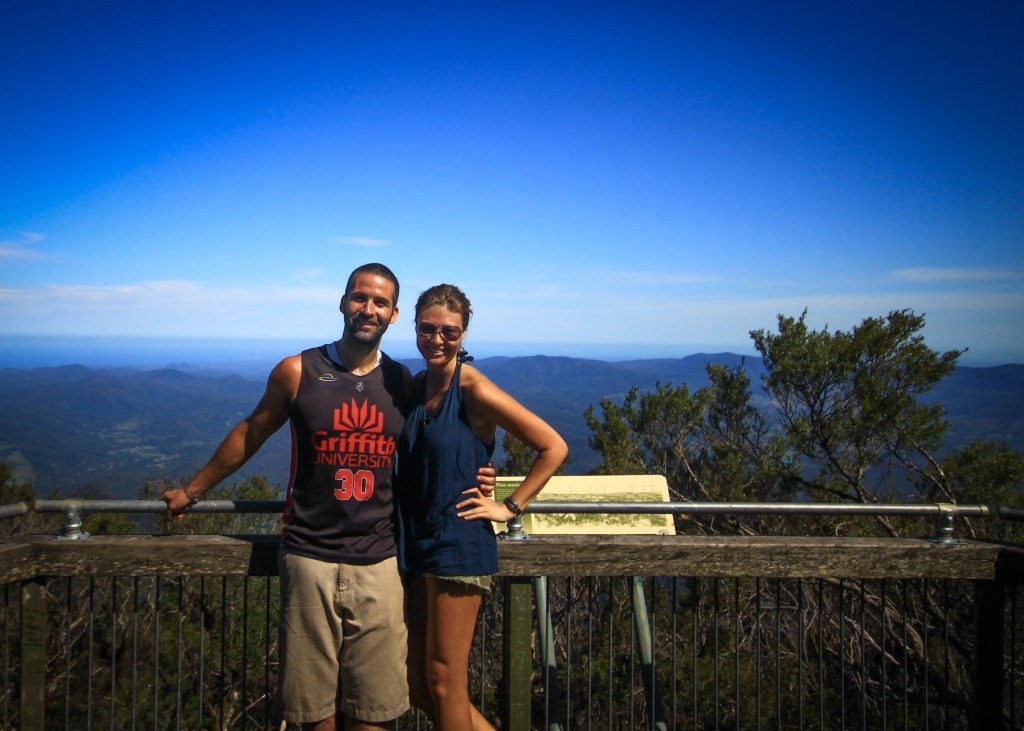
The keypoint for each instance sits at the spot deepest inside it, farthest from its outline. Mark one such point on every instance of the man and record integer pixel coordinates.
(341, 595)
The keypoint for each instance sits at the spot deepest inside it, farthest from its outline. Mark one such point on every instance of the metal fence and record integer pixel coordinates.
(610, 653)
(687, 645)
(669, 652)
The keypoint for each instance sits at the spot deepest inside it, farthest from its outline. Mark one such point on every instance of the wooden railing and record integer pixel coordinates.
(833, 578)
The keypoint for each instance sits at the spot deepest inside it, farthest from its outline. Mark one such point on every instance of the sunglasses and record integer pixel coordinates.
(450, 333)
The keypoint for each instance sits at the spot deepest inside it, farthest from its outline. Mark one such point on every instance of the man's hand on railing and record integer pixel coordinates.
(177, 500)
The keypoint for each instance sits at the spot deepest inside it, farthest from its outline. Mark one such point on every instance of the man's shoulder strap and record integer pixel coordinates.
(391, 368)
(332, 353)
(396, 377)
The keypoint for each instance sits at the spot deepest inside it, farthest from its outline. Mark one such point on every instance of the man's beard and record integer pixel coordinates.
(355, 335)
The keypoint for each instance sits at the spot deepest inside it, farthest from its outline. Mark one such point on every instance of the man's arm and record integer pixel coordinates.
(246, 438)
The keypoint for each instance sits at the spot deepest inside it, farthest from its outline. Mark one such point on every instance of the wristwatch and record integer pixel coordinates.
(513, 506)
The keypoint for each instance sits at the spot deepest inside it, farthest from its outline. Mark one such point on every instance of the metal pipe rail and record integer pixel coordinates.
(74, 510)
(923, 510)
(917, 510)
(157, 506)
(13, 510)
(1008, 513)
(944, 513)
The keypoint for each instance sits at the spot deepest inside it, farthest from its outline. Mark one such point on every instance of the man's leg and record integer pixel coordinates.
(353, 725)
(328, 724)
(373, 684)
(309, 637)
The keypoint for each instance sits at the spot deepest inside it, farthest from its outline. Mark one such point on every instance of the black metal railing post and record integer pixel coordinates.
(989, 597)
(553, 716)
(517, 652)
(33, 655)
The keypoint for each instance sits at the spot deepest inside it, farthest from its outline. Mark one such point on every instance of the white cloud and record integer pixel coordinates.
(169, 308)
(953, 274)
(361, 241)
(597, 312)
(558, 308)
(8, 252)
(179, 292)
(22, 249)
(11, 294)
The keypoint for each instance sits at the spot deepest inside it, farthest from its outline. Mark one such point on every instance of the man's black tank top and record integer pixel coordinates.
(345, 430)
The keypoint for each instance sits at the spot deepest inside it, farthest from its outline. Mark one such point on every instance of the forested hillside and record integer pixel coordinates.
(72, 428)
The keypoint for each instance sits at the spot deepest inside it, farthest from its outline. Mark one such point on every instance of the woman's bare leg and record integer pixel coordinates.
(451, 620)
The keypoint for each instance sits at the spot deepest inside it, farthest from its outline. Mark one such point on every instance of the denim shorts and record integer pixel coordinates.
(480, 581)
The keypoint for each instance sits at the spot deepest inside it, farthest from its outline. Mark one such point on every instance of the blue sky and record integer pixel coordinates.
(639, 177)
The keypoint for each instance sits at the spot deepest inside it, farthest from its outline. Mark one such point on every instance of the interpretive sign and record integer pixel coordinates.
(594, 488)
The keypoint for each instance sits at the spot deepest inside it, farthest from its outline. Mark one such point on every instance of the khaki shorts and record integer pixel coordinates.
(343, 640)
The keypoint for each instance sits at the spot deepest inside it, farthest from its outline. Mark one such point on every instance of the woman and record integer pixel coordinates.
(447, 545)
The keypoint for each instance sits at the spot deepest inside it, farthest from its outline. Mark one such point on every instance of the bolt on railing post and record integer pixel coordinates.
(72, 530)
(515, 530)
(944, 523)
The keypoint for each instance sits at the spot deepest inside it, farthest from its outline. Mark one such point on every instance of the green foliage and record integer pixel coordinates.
(847, 401)
(104, 524)
(986, 473)
(519, 458)
(743, 459)
(847, 423)
(613, 437)
(710, 444)
(15, 491)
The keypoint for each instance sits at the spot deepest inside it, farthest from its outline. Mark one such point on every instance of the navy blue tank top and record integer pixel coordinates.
(438, 458)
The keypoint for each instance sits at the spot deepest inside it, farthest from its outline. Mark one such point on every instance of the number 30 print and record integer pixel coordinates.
(358, 485)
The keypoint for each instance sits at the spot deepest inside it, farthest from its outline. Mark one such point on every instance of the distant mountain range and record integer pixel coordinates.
(73, 428)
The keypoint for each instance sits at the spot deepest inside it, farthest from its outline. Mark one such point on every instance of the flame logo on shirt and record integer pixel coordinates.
(352, 417)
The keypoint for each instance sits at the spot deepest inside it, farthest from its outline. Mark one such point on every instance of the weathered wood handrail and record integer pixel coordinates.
(574, 555)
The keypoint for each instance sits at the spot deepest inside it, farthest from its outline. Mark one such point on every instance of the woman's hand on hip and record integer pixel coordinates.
(478, 507)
